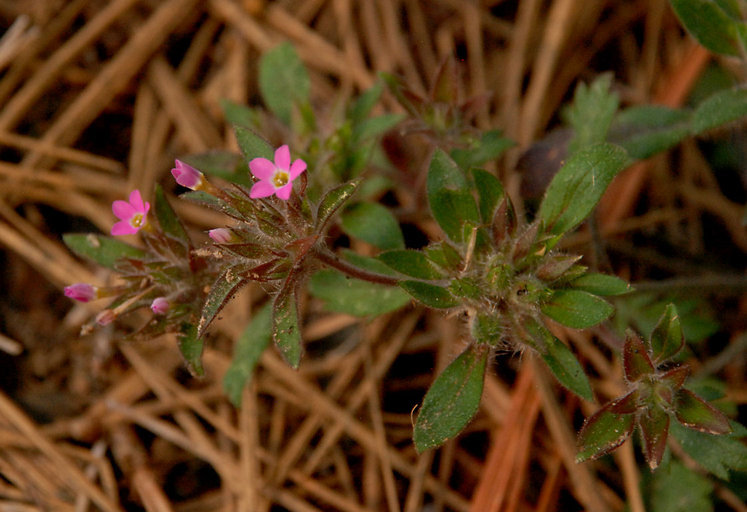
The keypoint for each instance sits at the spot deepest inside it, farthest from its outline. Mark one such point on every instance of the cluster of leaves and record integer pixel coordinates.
(504, 272)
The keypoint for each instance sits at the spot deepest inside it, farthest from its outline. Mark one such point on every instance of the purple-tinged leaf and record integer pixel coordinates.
(636, 361)
(556, 267)
(675, 377)
(626, 404)
(694, 412)
(654, 423)
(504, 221)
(286, 331)
(333, 200)
(667, 338)
(221, 291)
(603, 432)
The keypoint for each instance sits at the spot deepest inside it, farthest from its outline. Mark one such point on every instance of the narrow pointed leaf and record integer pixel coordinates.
(430, 294)
(600, 284)
(566, 368)
(444, 255)
(667, 338)
(221, 291)
(708, 24)
(489, 193)
(636, 360)
(286, 331)
(452, 400)
(167, 219)
(249, 347)
(411, 263)
(578, 186)
(491, 145)
(654, 424)
(694, 412)
(577, 309)
(191, 345)
(252, 145)
(449, 196)
(646, 130)
(101, 249)
(373, 223)
(333, 200)
(603, 432)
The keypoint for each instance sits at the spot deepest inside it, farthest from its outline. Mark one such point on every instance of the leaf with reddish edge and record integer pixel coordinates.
(220, 293)
(667, 338)
(675, 377)
(654, 423)
(604, 431)
(286, 331)
(626, 404)
(694, 412)
(636, 360)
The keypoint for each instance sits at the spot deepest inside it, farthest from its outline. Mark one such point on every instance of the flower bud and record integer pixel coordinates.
(187, 176)
(160, 305)
(221, 235)
(106, 317)
(82, 292)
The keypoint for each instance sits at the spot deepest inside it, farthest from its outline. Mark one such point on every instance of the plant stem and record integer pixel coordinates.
(329, 258)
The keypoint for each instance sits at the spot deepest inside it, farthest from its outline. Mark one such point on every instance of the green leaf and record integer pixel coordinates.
(430, 294)
(591, 113)
(333, 200)
(491, 145)
(577, 309)
(411, 263)
(238, 114)
(717, 454)
(203, 198)
(221, 291)
(444, 255)
(667, 338)
(101, 249)
(675, 488)
(249, 347)
(654, 425)
(489, 193)
(452, 400)
(362, 106)
(600, 284)
(721, 108)
(646, 130)
(708, 24)
(559, 358)
(355, 297)
(223, 164)
(373, 223)
(694, 412)
(283, 81)
(577, 187)
(376, 126)
(604, 431)
(252, 145)
(191, 345)
(286, 331)
(167, 219)
(449, 197)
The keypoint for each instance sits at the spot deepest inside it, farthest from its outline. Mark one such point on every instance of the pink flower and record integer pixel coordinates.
(275, 178)
(186, 175)
(221, 235)
(131, 215)
(160, 305)
(82, 292)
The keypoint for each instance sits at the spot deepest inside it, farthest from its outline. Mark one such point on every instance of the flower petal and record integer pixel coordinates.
(123, 227)
(297, 168)
(262, 168)
(136, 200)
(284, 192)
(123, 210)
(283, 157)
(261, 189)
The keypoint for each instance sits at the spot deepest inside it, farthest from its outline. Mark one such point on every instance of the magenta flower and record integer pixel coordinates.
(186, 175)
(160, 305)
(275, 178)
(131, 214)
(82, 292)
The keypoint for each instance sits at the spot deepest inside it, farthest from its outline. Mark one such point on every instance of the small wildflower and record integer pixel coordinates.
(160, 305)
(221, 235)
(132, 214)
(275, 178)
(187, 176)
(82, 292)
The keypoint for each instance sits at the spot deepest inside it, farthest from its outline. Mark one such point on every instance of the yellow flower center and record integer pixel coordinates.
(137, 220)
(280, 178)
